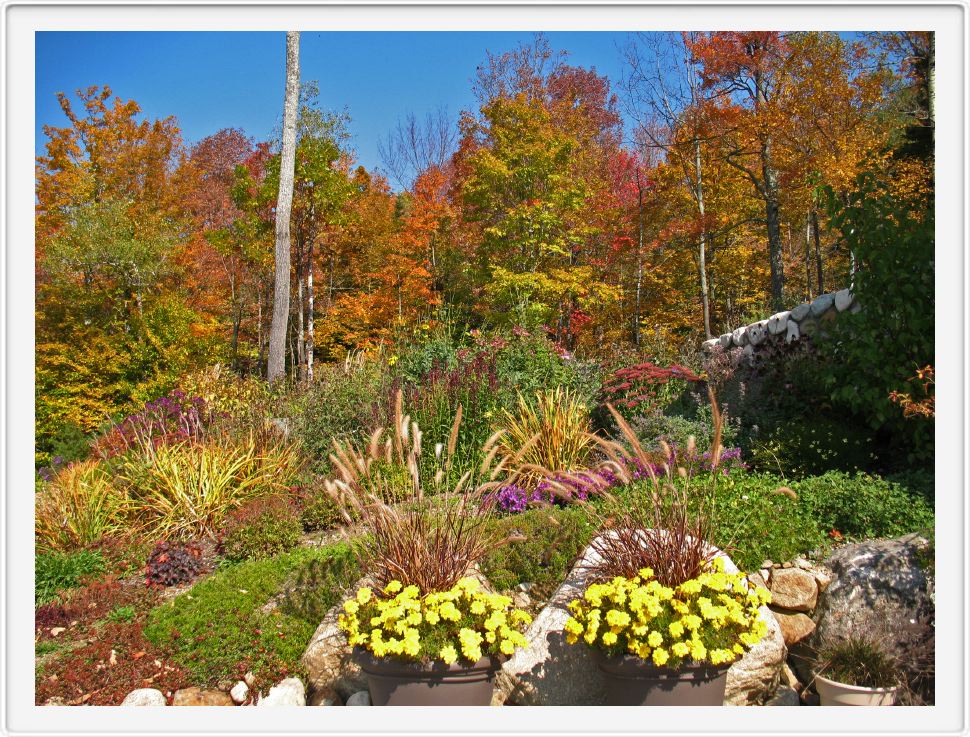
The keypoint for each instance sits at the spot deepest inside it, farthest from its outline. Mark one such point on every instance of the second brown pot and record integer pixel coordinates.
(631, 681)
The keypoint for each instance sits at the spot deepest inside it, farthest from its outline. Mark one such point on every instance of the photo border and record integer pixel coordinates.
(18, 715)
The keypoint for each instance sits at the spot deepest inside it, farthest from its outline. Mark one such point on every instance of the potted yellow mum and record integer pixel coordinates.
(444, 647)
(664, 615)
(426, 632)
(657, 644)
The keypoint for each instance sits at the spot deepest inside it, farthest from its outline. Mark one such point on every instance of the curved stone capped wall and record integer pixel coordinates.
(805, 319)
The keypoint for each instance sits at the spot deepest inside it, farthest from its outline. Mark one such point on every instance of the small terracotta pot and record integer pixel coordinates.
(632, 681)
(394, 682)
(836, 693)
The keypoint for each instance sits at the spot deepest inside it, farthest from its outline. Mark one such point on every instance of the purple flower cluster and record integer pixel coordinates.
(563, 488)
(167, 419)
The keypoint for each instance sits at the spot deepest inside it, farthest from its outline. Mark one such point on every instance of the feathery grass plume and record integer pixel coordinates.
(665, 522)
(430, 535)
(550, 435)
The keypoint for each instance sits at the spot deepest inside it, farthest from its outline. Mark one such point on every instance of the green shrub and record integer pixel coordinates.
(318, 511)
(261, 528)
(874, 352)
(122, 614)
(70, 444)
(554, 539)
(863, 506)
(346, 400)
(317, 585)
(754, 523)
(809, 446)
(223, 627)
(55, 572)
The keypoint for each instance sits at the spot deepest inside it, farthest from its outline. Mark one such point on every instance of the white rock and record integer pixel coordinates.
(793, 333)
(240, 692)
(739, 337)
(360, 698)
(289, 692)
(726, 340)
(843, 299)
(777, 323)
(822, 304)
(145, 697)
(799, 313)
(709, 345)
(758, 332)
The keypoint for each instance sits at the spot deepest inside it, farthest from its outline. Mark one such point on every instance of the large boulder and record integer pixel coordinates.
(328, 662)
(551, 672)
(877, 578)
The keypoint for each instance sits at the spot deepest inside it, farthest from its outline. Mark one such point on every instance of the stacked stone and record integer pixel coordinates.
(805, 319)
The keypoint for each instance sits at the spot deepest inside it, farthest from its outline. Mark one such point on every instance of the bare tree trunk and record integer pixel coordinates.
(702, 251)
(298, 367)
(818, 252)
(309, 320)
(636, 318)
(276, 364)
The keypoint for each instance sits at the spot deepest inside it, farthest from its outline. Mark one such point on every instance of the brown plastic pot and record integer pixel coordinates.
(632, 681)
(836, 693)
(394, 682)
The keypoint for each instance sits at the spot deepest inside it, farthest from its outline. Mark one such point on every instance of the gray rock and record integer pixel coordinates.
(709, 345)
(360, 698)
(145, 697)
(801, 312)
(551, 672)
(822, 304)
(881, 578)
(239, 693)
(726, 340)
(808, 326)
(288, 692)
(785, 696)
(778, 323)
(843, 299)
(793, 588)
(739, 337)
(856, 307)
(793, 333)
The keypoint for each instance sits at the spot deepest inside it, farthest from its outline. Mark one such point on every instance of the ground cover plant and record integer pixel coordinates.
(220, 629)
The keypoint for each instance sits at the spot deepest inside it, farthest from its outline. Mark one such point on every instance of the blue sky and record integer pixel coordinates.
(210, 80)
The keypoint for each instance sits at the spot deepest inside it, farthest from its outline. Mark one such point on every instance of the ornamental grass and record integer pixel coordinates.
(419, 531)
(78, 507)
(550, 435)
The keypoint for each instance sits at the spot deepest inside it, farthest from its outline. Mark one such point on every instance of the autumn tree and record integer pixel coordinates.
(112, 322)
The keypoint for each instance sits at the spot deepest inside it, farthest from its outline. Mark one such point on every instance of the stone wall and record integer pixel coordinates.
(788, 326)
